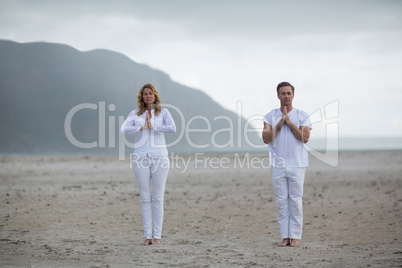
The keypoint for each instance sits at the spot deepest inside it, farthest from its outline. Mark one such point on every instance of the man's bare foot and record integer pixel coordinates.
(285, 242)
(295, 243)
(157, 242)
(146, 242)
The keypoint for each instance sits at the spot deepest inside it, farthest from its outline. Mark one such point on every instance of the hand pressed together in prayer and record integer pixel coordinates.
(148, 124)
(285, 116)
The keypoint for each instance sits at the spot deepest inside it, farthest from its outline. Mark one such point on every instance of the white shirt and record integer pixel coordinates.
(149, 143)
(285, 150)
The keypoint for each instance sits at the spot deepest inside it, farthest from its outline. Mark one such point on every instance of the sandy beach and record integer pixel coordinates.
(84, 211)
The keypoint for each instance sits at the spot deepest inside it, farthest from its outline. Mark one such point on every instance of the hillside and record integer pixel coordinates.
(40, 83)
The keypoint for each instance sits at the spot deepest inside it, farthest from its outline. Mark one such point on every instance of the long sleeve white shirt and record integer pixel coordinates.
(149, 143)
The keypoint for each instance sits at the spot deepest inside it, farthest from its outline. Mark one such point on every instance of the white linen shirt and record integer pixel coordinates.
(285, 150)
(149, 143)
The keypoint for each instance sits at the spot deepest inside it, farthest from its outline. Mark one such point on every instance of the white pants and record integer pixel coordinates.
(151, 175)
(288, 188)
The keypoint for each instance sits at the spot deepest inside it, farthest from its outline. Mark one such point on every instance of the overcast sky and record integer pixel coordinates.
(345, 54)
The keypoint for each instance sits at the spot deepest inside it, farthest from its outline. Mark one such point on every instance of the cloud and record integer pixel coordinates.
(238, 51)
(208, 18)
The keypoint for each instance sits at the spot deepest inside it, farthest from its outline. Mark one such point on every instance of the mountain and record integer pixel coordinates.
(45, 86)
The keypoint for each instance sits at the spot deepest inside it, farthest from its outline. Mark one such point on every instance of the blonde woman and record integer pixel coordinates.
(150, 159)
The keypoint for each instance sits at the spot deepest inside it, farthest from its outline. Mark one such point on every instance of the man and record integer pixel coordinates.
(286, 130)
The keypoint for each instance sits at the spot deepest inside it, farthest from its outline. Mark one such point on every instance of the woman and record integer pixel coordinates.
(150, 159)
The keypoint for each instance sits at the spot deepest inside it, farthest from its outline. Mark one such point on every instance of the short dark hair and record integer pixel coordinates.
(284, 84)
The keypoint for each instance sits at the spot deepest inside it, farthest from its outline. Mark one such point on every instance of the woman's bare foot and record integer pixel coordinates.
(146, 242)
(285, 242)
(295, 243)
(157, 242)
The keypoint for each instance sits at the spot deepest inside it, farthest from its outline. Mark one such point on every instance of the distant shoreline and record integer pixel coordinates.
(320, 145)
(190, 153)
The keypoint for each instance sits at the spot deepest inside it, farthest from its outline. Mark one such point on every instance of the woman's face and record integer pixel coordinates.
(148, 96)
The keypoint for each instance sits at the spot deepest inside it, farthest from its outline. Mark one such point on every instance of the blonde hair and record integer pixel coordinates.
(141, 104)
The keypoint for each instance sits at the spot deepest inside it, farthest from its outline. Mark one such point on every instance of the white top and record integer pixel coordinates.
(149, 143)
(285, 150)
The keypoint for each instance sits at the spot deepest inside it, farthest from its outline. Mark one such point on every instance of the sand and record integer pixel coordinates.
(84, 211)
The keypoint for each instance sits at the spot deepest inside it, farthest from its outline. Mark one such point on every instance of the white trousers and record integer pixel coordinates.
(288, 188)
(151, 175)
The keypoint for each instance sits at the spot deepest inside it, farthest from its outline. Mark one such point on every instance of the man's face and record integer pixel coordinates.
(285, 95)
